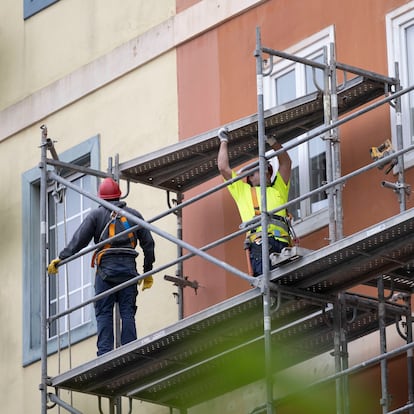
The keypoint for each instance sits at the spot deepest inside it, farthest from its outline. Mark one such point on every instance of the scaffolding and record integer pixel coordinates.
(302, 308)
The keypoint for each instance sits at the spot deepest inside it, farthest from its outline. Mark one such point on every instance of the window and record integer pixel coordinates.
(31, 7)
(290, 80)
(73, 284)
(63, 291)
(400, 44)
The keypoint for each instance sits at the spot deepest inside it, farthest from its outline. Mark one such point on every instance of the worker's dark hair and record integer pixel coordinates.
(269, 170)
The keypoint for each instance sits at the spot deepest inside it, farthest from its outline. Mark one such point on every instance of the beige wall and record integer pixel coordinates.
(134, 115)
(82, 69)
(130, 121)
(66, 36)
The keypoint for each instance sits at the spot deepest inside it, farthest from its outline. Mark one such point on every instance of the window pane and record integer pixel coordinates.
(317, 172)
(62, 322)
(309, 73)
(75, 317)
(294, 190)
(73, 284)
(51, 211)
(74, 275)
(410, 73)
(53, 325)
(72, 201)
(86, 184)
(285, 87)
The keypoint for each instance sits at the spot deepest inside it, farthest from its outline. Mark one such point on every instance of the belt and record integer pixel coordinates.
(257, 237)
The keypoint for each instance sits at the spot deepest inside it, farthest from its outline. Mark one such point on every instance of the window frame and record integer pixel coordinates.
(31, 322)
(66, 285)
(396, 23)
(31, 7)
(306, 48)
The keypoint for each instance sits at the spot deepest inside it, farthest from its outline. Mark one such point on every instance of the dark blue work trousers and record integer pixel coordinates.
(104, 312)
(275, 246)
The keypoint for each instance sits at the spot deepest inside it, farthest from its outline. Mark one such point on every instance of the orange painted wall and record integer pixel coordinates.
(217, 84)
(184, 4)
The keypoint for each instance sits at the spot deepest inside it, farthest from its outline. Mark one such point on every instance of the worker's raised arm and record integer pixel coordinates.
(285, 163)
(223, 155)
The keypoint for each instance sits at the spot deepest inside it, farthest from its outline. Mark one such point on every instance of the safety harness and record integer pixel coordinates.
(280, 221)
(111, 226)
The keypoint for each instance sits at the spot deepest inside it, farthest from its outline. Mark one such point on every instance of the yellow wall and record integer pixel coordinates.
(85, 68)
(134, 114)
(66, 36)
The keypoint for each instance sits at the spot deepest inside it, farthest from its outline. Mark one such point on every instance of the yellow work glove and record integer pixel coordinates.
(52, 269)
(148, 282)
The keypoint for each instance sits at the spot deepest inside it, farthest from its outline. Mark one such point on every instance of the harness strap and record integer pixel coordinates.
(97, 256)
(255, 201)
(130, 234)
(280, 221)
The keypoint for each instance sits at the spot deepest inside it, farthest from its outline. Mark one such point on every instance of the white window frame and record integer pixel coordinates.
(396, 23)
(307, 48)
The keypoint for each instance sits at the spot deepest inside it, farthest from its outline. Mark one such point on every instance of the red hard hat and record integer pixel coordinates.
(109, 189)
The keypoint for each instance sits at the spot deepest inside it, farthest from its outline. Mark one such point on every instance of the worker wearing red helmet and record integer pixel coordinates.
(247, 197)
(115, 263)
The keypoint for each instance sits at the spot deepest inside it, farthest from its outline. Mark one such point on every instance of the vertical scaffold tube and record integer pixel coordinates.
(400, 145)
(337, 312)
(383, 345)
(328, 145)
(43, 276)
(336, 155)
(180, 272)
(264, 223)
(410, 366)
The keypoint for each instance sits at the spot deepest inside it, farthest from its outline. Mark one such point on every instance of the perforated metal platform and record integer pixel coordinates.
(215, 351)
(384, 249)
(193, 161)
(221, 348)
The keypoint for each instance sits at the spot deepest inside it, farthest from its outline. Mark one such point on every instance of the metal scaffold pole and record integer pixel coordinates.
(264, 224)
(385, 398)
(333, 171)
(335, 141)
(179, 273)
(344, 355)
(328, 145)
(401, 186)
(43, 281)
(410, 355)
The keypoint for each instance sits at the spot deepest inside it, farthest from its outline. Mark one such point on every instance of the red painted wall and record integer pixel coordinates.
(217, 84)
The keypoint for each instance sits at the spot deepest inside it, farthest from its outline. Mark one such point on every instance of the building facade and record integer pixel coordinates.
(109, 81)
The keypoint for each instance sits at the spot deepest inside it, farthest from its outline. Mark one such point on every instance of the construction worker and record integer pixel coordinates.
(115, 263)
(247, 197)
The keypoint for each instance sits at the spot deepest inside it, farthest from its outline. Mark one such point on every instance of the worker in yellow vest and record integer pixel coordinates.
(115, 263)
(247, 197)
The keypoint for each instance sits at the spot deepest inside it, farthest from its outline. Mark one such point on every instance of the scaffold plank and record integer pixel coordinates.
(188, 163)
(221, 348)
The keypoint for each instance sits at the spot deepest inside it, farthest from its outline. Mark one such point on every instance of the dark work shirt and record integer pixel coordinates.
(95, 227)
